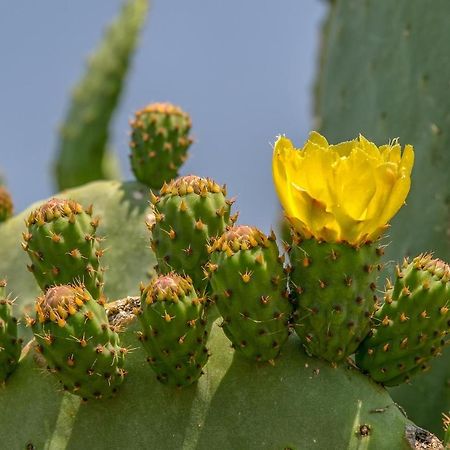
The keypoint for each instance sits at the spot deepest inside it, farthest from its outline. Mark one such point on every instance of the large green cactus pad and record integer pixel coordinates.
(123, 208)
(301, 403)
(384, 73)
(83, 155)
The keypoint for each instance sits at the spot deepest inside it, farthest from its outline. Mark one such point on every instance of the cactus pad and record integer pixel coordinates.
(174, 329)
(189, 211)
(412, 325)
(159, 143)
(79, 345)
(250, 291)
(335, 290)
(83, 151)
(10, 345)
(63, 247)
(6, 204)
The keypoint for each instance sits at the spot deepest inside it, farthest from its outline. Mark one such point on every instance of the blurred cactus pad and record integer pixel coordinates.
(83, 153)
(383, 69)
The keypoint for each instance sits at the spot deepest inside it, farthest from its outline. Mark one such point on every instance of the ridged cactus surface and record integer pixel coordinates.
(159, 143)
(378, 76)
(83, 153)
(123, 209)
(249, 288)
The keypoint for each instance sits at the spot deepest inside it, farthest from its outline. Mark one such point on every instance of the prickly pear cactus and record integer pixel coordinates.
(174, 329)
(6, 204)
(10, 344)
(412, 324)
(231, 405)
(159, 143)
(83, 155)
(63, 246)
(249, 288)
(410, 107)
(189, 211)
(335, 289)
(79, 345)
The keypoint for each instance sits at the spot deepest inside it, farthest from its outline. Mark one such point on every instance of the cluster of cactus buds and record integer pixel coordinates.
(159, 143)
(62, 244)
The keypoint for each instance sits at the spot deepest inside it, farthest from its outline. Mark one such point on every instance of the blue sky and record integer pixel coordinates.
(243, 70)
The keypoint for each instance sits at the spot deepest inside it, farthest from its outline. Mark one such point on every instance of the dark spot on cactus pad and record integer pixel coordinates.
(364, 430)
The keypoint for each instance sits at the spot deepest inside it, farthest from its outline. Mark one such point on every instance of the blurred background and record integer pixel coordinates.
(243, 70)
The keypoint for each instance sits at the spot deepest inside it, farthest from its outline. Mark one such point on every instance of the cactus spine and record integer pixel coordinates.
(174, 329)
(6, 204)
(250, 290)
(189, 211)
(63, 247)
(412, 325)
(79, 345)
(10, 345)
(335, 291)
(159, 143)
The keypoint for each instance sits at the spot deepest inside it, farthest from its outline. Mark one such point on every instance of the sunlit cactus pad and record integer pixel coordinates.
(300, 403)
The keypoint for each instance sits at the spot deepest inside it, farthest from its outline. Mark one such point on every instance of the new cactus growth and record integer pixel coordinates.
(159, 143)
(174, 329)
(189, 211)
(77, 342)
(10, 345)
(412, 324)
(6, 204)
(249, 289)
(62, 244)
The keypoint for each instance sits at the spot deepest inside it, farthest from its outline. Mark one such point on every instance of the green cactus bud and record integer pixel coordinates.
(76, 340)
(412, 325)
(189, 211)
(335, 289)
(250, 291)
(6, 204)
(10, 345)
(174, 329)
(159, 143)
(63, 247)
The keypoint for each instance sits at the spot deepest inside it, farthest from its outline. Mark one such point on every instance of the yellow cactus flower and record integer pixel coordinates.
(341, 193)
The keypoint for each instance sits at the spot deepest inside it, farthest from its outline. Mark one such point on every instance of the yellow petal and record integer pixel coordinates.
(344, 192)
